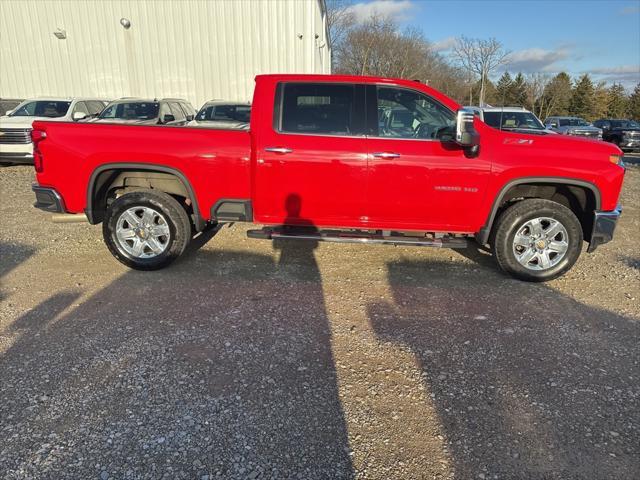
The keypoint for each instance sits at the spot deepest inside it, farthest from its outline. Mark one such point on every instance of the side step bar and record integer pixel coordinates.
(355, 236)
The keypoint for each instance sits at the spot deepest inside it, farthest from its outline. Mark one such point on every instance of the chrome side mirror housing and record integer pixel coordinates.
(79, 116)
(466, 134)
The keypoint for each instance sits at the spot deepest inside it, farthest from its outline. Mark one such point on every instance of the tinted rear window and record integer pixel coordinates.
(131, 111)
(318, 108)
(229, 113)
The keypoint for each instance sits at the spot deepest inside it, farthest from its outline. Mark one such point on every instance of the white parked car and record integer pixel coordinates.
(516, 119)
(15, 126)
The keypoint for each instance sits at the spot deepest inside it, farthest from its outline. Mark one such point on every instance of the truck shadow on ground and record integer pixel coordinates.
(221, 364)
(12, 256)
(528, 382)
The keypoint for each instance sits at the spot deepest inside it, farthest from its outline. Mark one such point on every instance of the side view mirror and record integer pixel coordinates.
(552, 125)
(189, 118)
(8, 112)
(79, 116)
(605, 126)
(466, 134)
(167, 118)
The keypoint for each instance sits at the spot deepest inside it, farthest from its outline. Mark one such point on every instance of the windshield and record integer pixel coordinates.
(236, 113)
(624, 124)
(573, 122)
(42, 108)
(131, 111)
(512, 120)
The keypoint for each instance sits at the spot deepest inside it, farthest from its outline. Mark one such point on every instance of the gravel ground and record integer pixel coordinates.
(247, 360)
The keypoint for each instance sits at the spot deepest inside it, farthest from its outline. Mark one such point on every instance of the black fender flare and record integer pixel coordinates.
(95, 216)
(482, 236)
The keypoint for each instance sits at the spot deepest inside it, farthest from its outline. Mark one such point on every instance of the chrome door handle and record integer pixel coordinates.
(386, 155)
(278, 150)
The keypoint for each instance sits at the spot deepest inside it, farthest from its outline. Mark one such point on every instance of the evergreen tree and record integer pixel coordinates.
(600, 101)
(518, 91)
(558, 95)
(617, 104)
(503, 89)
(490, 96)
(582, 102)
(633, 108)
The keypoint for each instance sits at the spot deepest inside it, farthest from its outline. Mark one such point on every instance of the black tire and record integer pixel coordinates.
(176, 219)
(514, 218)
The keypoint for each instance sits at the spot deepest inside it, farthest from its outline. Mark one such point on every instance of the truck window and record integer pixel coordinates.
(80, 107)
(177, 112)
(318, 108)
(411, 114)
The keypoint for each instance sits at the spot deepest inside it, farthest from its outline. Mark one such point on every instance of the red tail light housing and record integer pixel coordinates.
(36, 137)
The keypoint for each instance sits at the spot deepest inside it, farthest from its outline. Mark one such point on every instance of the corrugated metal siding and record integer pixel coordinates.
(194, 49)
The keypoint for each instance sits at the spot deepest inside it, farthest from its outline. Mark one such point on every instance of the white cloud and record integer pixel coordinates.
(395, 9)
(444, 44)
(627, 75)
(533, 60)
(622, 69)
(630, 10)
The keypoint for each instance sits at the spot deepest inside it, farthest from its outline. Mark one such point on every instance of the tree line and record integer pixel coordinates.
(378, 46)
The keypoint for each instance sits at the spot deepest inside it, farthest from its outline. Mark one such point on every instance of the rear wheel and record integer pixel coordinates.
(537, 240)
(146, 230)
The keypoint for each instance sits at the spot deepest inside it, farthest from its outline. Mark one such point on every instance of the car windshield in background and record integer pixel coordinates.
(131, 111)
(573, 122)
(228, 113)
(42, 108)
(512, 120)
(624, 124)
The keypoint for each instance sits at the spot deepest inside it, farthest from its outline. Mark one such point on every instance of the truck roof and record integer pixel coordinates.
(413, 84)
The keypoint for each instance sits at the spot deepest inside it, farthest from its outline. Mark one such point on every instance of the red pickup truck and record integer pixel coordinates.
(338, 158)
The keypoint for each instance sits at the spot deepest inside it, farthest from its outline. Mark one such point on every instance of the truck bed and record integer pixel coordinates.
(217, 162)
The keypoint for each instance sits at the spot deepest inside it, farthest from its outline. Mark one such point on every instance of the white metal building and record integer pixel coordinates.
(194, 49)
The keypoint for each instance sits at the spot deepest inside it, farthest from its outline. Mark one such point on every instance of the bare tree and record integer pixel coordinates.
(480, 58)
(537, 102)
(340, 19)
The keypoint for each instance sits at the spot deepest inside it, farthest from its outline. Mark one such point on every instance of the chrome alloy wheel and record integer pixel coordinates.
(142, 232)
(540, 243)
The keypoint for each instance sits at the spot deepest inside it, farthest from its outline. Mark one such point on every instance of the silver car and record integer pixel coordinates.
(573, 126)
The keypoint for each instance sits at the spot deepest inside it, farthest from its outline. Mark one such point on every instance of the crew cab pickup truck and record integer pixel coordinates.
(343, 159)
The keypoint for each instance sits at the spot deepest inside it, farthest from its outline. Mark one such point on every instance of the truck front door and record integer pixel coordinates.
(311, 164)
(416, 180)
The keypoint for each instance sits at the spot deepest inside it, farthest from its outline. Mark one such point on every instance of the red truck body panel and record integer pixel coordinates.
(332, 181)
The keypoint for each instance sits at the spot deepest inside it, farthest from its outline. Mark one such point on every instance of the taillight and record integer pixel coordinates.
(36, 137)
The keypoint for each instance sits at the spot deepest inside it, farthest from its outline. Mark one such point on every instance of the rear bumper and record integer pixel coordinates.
(48, 199)
(604, 224)
(16, 157)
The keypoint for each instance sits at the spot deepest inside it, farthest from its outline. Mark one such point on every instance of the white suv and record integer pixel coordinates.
(517, 119)
(15, 126)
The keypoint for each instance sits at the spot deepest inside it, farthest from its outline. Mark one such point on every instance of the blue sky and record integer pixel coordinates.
(601, 37)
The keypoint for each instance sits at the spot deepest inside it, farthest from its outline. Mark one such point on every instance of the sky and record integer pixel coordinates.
(600, 37)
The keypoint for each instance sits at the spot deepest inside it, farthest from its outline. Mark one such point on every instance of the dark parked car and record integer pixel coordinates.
(165, 111)
(624, 133)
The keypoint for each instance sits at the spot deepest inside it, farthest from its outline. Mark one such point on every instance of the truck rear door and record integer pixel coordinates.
(311, 161)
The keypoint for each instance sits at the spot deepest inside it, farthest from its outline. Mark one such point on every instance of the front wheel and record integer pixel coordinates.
(537, 240)
(146, 230)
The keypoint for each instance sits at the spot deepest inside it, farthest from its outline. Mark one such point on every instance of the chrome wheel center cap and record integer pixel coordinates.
(141, 232)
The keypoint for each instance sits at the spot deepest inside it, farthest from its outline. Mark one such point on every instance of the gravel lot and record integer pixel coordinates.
(251, 360)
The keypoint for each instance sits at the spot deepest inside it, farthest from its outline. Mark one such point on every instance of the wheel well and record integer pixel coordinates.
(581, 200)
(108, 184)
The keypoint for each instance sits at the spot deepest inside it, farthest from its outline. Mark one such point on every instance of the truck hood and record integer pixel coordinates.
(558, 146)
